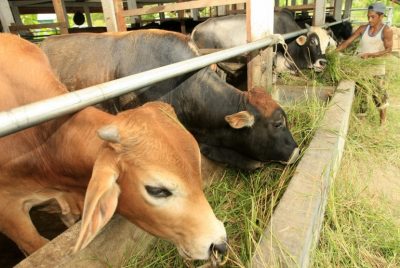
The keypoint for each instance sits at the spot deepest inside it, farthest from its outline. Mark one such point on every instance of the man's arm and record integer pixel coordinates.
(353, 37)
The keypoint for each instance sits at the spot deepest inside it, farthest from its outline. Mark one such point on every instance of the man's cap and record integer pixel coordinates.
(378, 7)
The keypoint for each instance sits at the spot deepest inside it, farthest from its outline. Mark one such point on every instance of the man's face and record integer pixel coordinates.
(374, 18)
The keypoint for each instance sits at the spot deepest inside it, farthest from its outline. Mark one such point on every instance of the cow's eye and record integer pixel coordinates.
(158, 192)
(278, 124)
(314, 42)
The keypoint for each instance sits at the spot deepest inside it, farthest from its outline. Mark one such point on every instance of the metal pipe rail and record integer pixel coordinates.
(25, 116)
(31, 114)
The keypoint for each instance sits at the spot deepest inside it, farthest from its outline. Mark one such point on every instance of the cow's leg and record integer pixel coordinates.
(16, 224)
(229, 157)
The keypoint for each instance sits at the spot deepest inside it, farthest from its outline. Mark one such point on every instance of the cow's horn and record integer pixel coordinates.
(109, 133)
(308, 26)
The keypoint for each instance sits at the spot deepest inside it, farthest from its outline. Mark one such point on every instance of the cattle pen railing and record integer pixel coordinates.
(25, 116)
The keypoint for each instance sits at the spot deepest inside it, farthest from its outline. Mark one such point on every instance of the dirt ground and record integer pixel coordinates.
(385, 181)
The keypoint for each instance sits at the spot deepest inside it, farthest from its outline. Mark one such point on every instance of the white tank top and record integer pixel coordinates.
(371, 44)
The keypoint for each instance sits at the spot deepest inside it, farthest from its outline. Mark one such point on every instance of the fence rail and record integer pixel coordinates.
(25, 116)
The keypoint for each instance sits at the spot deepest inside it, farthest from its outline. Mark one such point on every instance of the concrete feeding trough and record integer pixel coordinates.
(293, 229)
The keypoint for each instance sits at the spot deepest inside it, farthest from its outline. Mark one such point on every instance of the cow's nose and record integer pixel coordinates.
(322, 62)
(220, 249)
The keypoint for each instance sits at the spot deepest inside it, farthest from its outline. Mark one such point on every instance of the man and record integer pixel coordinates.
(376, 40)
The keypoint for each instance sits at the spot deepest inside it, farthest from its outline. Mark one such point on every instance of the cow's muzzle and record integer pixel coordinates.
(293, 157)
(218, 254)
(320, 65)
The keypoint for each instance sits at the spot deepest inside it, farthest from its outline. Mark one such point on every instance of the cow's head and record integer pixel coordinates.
(315, 45)
(264, 133)
(148, 170)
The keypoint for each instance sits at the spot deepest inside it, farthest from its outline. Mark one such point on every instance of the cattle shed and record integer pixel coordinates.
(295, 224)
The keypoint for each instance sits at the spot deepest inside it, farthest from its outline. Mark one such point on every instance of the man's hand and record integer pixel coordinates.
(365, 55)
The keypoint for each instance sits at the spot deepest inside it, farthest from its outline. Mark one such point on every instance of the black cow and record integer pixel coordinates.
(307, 51)
(241, 129)
(341, 31)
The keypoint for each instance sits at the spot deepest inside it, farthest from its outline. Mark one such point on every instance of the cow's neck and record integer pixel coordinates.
(204, 100)
(74, 146)
(300, 56)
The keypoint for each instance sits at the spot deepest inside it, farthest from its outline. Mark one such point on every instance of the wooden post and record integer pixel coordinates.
(109, 15)
(319, 13)
(16, 15)
(337, 12)
(6, 16)
(133, 5)
(86, 9)
(347, 8)
(161, 14)
(305, 12)
(195, 14)
(221, 10)
(61, 15)
(260, 23)
(181, 17)
(119, 8)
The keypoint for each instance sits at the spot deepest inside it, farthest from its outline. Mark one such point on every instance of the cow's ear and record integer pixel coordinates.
(301, 40)
(109, 133)
(240, 120)
(101, 198)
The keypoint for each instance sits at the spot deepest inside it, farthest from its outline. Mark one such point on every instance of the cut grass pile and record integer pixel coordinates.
(244, 201)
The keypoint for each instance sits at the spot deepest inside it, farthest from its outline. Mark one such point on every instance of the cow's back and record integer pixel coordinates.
(86, 59)
(284, 22)
(230, 31)
(218, 32)
(78, 58)
(25, 75)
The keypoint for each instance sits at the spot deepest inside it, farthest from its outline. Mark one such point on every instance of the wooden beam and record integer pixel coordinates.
(260, 24)
(24, 3)
(6, 16)
(301, 7)
(179, 6)
(15, 28)
(60, 12)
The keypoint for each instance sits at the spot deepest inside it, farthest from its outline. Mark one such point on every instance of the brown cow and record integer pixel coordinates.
(145, 165)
